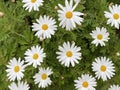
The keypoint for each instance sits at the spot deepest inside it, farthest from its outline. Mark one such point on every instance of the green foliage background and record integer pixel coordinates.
(16, 37)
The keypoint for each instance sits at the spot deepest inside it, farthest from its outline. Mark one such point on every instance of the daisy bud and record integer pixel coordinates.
(62, 77)
(76, 1)
(118, 54)
(80, 24)
(1, 14)
(85, 14)
(12, 1)
(111, 4)
(56, 8)
(41, 39)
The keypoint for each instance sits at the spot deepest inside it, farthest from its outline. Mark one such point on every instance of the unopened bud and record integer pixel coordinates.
(1, 14)
(77, 1)
(12, 1)
(111, 4)
(41, 38)
(56, 8)
(62, 77)
(118, 54)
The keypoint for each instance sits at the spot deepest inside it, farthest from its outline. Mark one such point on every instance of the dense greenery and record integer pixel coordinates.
(16, 37)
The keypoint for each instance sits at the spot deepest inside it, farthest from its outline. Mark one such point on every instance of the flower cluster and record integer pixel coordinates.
(15, 69)
(69, 54)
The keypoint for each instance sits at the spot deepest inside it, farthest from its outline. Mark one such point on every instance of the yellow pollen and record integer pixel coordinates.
(103, 68)
(35, 56)
(44, 76)
(85, 84)
(69, 54)
(44, 26)
(99, 36)
(16, 69)
(116, 16)
(33, 1)
(69, 14)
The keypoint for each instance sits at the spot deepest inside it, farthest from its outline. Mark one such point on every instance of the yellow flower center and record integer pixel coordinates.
(116, 16)
(35, 56)
(16, 69)
(99, 36)
(44, 26)
(33, 1)
(69, 14)
(103, 68)
(85, 84)
(44, 76)
(69, 54)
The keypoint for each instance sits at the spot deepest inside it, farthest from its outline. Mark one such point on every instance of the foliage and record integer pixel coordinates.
(16, 37)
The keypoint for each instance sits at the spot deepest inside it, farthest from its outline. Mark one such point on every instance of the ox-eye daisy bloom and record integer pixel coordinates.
(103, 68)
(113, 16)
(34, 56)
(15, 69)
(69, 54)
(19, 86)
(114, 87)
(100, 36)
(42, 77)
(45, 27)
(32, 4)
(68, 17)
(85, 82)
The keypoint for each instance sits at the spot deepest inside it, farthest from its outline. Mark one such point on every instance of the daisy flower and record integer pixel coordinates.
(69, 54)
(32, 4)
(114, 87)
(42, 77)
(15, 69)
(113, 16)
(68, 17)
(103, 68)
(34, 56)
(19, 86)
(45, 27)
(85, 82)
(100, 36)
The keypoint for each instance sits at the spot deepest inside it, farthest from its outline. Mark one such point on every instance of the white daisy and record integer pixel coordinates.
(69, 54)
(100, 36)
(42, 77)
(19, 86)
(85, 82)
(32, 4)
(114, 87)
(15, 69)
(113, 16)
(34, 56)
(68, 17)
(45, 27)
(103, 68)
